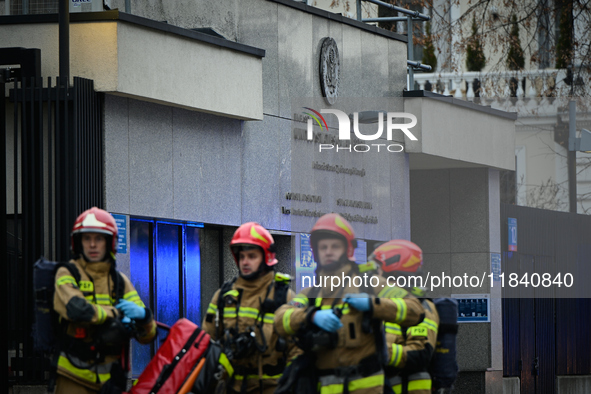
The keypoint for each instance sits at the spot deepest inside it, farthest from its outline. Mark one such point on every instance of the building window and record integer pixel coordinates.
(165, 268)
(20, 7)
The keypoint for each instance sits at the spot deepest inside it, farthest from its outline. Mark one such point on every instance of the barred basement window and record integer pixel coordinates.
(26, 7)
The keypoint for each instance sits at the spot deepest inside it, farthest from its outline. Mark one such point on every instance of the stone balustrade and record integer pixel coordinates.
(521, 91)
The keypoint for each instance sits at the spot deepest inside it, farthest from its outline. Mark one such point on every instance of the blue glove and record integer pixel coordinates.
(125, 320)
(327, 320)
(131, 310)
(361, 301)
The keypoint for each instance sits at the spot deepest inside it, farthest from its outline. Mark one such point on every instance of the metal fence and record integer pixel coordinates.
(53, 158)
(545, 337)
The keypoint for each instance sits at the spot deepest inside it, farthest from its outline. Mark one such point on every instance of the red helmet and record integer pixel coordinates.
(333, 225)
(94, 220)
(252, 233)
(398, 255)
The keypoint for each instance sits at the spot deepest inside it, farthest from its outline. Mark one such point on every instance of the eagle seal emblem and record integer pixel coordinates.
(330, 69)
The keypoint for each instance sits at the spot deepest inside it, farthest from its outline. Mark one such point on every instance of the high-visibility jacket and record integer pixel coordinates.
(355, 345)
(410, 351)
(243, 312)
(86, 308)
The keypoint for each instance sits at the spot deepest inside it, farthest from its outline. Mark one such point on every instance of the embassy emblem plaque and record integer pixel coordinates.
(330, 69)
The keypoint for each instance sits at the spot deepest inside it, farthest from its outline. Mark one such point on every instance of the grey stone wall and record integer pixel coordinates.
(451, 223)
(167, 162)
(172, 163)
(455, 220)
(470, 383)
(230, 267)
(210, 244)
(284, 254)
(219, 15)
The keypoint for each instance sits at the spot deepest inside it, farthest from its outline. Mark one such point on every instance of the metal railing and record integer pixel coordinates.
(411, 16)
(53, 141)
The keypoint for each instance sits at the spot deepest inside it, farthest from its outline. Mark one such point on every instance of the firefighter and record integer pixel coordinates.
(99, 311)
(341, 328)
(409, 349)
(240, 314)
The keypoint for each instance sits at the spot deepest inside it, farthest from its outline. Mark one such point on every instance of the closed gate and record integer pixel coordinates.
(51, 169)
(544, 337)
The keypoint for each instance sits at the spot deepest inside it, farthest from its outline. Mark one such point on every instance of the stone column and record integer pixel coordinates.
(455, 220)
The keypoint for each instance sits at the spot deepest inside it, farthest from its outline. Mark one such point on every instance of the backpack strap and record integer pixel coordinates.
(61, 325)
(119, 284)
(226, 287)
(57, 326)
(73, 270)
(312, 297)
(282, 282)
(116, 277)
(281, 285)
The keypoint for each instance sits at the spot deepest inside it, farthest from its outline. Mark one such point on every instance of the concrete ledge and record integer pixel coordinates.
(455, 135)
(151, 61)
(511, 385)
(138, 20)
(494, 381)
(573, 384)
(342, 19)
(460, 102)
(470, 382)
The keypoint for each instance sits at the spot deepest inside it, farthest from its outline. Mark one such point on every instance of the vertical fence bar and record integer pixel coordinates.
(13, 254)
(77, 153)
(40, 141)
(19, 217)
(359, 11)
(71, 143)
(69, 191)
(58, 151)
(3, 208)
(410, 50)
(98, 127)
(16, 226)
(88, 144)
(50, 224)
(27, 177)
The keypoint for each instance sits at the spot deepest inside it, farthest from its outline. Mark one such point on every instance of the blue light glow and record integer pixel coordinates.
(193, 274)
(139, 255)
(167, 273)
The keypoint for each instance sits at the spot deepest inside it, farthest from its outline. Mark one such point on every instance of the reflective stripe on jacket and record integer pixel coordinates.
(87, 306)
(354, 342)
(247, 313)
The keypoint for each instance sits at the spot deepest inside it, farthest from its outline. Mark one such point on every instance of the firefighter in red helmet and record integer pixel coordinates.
(410, 349)
(98, 307)
(240, 314)
(341, 328)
